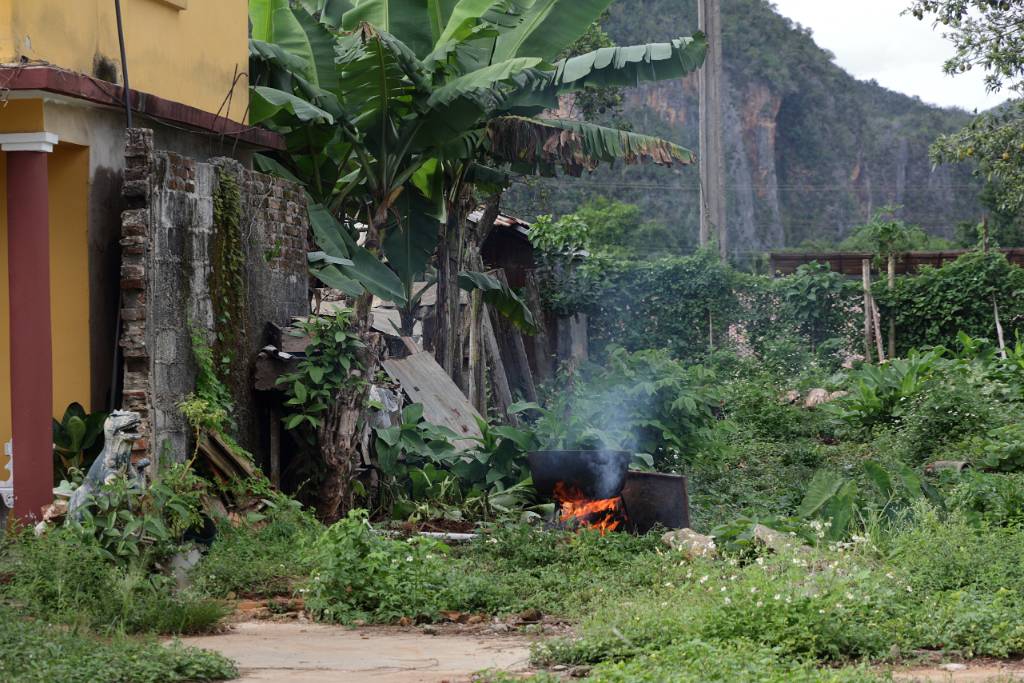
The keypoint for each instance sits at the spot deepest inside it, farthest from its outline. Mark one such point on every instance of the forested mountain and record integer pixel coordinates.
(810, 151)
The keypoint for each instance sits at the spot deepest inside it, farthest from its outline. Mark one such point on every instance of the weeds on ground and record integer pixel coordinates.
(259, 557)
(66, 578)
(936, 584)
(34, 652)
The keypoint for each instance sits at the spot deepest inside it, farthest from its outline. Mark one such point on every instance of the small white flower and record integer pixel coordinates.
(759, 604)
(778, 596)
(668, 584)
(753, 589)
(704, 579)
(728, 601)
(408, 558)
(722, 589)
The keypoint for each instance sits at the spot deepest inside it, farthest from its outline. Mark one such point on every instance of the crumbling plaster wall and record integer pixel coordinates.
(169, 233)
(102, 130)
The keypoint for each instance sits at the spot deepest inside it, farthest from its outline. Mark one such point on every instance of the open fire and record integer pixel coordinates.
(604, 515)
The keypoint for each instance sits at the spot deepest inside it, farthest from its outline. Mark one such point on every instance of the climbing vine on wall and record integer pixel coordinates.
(228, 282)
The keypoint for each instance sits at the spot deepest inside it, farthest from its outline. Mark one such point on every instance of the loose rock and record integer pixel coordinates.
(691, 544)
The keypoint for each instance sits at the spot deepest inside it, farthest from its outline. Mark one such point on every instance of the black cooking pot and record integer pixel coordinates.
(597, 474)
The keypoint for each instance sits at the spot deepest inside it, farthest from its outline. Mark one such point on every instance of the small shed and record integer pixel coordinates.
(508, 247)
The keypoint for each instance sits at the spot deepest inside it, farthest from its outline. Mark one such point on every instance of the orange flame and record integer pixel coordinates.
(604, 515)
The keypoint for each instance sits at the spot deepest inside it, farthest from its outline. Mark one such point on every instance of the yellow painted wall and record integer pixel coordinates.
(69, 276)
(185, 54)
(69, 284)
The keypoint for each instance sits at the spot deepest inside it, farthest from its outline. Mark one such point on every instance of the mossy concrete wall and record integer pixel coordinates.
(173, 282)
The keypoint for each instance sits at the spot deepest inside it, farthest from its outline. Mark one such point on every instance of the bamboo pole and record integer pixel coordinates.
(877, 319)
(892, 317)
(865, 267)
(999, 329)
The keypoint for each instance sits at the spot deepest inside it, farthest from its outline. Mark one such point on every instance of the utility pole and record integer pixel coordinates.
(712, 152)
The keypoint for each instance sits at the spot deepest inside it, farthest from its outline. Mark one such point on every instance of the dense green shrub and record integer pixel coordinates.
(645, 402)
(995, 499)
(358, 574)
(933, 307)
(879, 394)
(683, 305)
(815, 305)
(38, 653)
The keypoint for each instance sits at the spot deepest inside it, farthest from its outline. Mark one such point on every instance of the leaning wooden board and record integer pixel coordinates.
(443, 402)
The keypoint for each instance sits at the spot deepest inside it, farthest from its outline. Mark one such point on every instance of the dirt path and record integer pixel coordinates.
(313, 653)
(985, 671)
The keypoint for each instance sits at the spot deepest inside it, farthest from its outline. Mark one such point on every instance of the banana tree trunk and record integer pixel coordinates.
(340, 433)
(448, 349)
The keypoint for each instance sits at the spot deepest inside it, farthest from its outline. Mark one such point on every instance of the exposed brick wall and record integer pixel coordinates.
(167, 234)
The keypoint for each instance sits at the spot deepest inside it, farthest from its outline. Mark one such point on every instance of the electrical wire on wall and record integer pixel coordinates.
(124, 64)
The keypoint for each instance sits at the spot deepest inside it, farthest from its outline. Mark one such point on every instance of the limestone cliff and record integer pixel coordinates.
(810, 151)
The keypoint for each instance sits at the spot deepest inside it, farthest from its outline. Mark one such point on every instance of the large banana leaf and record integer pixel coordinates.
(502, 298)
(373, 81)
(475, 17)
(410, 244)
(537, 146)
(479, 85)
(265, 103)
(631, 65)
(548, 27)
(273, 67)
(330, 12)
(407, 20)
(321, 46)
(274, 22)
(366, 269)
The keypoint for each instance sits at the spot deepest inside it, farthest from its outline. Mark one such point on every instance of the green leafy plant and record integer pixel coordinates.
(328, 367)
(841, 507)
(429, 477)
(879, 393)
(77, 440)
(143, 526)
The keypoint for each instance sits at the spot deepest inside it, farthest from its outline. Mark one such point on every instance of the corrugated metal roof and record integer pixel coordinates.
(503, 221)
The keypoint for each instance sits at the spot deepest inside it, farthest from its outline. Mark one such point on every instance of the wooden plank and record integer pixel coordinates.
(542, 361)
(501, 392)
(443, 402)
(477, 387)
(513, 350)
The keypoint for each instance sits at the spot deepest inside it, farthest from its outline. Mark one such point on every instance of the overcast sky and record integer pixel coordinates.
(871, 40)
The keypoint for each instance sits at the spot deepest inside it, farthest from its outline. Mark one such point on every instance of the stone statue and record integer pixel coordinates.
(120, 431)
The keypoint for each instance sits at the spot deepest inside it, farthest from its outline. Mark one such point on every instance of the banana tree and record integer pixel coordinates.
(392, 109)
